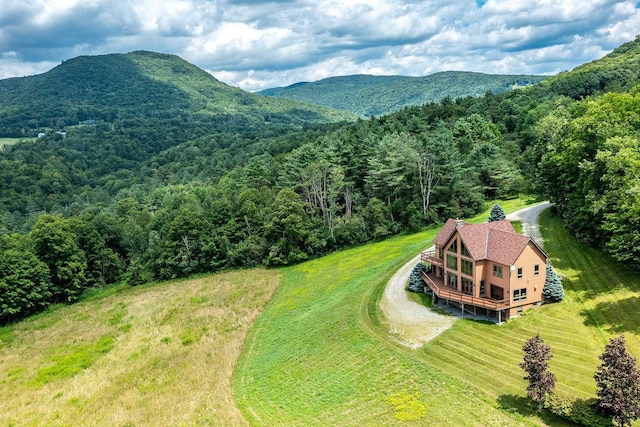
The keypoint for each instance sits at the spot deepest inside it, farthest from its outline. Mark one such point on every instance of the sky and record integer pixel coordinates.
(258, 44)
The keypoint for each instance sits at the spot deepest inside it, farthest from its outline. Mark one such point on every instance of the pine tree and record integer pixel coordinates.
(618, 383)
(416, 284)
(536, 364)
(552, 290)
(497, 214)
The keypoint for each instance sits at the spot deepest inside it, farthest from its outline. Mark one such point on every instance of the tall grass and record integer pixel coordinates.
(152, 355)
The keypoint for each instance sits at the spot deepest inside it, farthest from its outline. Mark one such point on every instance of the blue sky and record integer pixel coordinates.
(256, 44)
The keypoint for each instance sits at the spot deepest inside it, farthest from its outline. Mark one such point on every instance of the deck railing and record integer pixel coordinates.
(445, 293)
(430, 257)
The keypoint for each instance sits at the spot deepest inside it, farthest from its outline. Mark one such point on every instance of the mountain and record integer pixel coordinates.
(367, 95)
(140, 85)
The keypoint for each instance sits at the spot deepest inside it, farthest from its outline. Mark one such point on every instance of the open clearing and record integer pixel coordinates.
(154, 355)
(9, 141)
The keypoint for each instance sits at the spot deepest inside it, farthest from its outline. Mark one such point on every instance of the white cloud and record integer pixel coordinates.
(258, 44)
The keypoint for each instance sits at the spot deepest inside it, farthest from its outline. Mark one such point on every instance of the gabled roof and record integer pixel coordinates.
(495, 241)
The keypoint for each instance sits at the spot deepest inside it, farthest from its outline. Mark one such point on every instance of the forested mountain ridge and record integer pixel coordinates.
(126, 202)
(368, 95)
(140, 85)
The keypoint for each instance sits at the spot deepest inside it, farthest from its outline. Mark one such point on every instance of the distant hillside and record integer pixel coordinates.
(619, 71)
(140, 85)
(379, 95)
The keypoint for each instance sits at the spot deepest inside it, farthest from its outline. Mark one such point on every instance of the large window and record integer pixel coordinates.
(452, 280)
(454, 246)
(467, 286)
(452, 262)
(467, 267)
(520, 294)
(497, 270)
(497, 292)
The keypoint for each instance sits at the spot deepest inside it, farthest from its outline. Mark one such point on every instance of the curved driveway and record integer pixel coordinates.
(414, 324)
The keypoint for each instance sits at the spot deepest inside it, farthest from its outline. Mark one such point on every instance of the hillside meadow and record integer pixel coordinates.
(153, 355)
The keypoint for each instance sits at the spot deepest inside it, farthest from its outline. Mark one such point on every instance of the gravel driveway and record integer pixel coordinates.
(414, 324)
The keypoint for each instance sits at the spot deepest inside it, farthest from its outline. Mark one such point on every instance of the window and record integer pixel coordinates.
(467, 267)
(519, 272)
(520, 294)
(463, 250)
(497, 292)
(482, 287)
(440, 253)
(454, 246)
(536, 269)
(497, 270)
(452, 262)
(467, 286)
(452, 280)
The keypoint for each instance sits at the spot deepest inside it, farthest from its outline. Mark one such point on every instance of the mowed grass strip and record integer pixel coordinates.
(320, 355)
(160, 354)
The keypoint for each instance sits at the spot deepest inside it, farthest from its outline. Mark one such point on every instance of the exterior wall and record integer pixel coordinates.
(533, 283)
(479, 276)
(490, 279)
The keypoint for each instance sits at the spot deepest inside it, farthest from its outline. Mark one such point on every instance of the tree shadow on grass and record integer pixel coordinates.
(525, 407)
(615, 316)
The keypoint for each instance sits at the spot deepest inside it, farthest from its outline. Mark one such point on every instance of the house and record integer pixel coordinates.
(485, 269)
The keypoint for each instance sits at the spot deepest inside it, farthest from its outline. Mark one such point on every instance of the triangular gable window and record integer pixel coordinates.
(463, 250)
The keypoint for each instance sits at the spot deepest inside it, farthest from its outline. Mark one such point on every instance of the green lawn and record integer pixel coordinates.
(319, 354)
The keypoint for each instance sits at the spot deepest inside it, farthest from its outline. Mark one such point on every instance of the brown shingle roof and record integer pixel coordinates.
(445, 232)
(495, 241)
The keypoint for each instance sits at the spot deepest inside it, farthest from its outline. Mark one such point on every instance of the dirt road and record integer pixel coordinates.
(413, 324)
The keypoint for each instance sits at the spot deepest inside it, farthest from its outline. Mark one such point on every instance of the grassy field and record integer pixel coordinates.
(153, 355)
(320, 355)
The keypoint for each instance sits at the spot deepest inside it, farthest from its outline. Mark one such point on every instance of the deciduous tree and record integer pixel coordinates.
(536, 365)
(618, 383)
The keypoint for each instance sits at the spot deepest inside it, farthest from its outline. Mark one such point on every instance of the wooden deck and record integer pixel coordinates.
(442, 291)
(430, 257)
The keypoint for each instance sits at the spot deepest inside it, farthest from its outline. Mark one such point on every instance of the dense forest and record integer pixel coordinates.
(108, 202)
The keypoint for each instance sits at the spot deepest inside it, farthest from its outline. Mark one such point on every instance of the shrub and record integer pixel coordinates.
(580, 411)
(416, 284)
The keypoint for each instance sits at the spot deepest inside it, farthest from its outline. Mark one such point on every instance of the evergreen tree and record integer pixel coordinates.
(416, 284)
(552, 290)
(618, 383)
(536, 364)
(497, 214)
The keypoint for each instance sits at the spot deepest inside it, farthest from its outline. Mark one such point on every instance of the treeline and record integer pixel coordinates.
(591, 170)
(358, 182)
